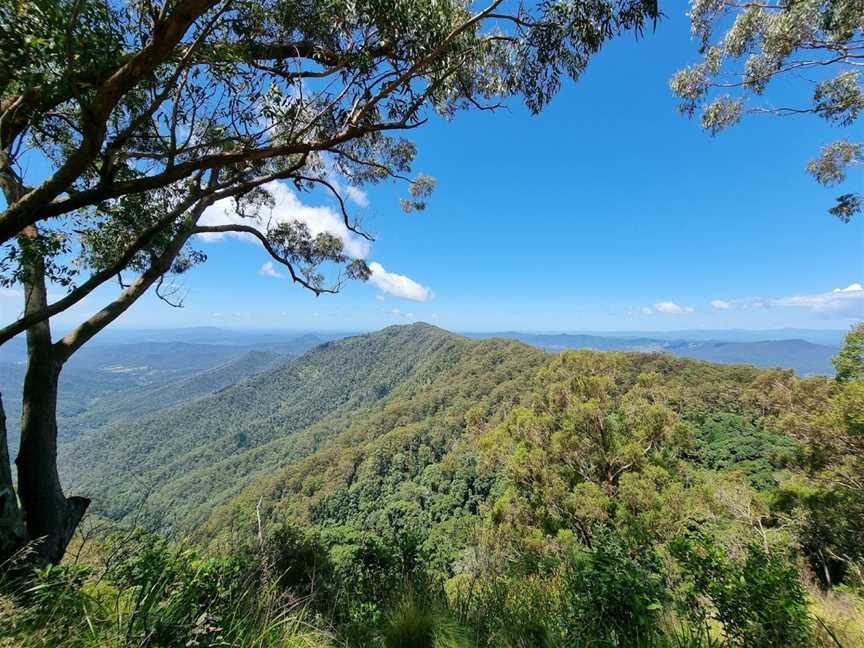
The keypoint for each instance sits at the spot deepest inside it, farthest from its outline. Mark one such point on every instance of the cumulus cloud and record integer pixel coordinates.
(287, 208)
(840, 299)
(269, 270)
(398, 285)
(851, 288)
(646, 310)
(671, 308)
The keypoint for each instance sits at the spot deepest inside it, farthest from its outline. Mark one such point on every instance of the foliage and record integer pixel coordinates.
(759, 599)
(412, 487)
(612, 596)
(849, 362)
(144, 592)
(417, 622)
(730, 442)
(818, 43)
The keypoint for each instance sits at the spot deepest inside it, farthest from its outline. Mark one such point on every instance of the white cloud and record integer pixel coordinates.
(398, 285)
(287, 208)
(671, 308)
(646, 310)
(850, 298)
(839, 299)
(357, 196)
(379, 297)
(11, 293)
(268, 270)
(851, 288)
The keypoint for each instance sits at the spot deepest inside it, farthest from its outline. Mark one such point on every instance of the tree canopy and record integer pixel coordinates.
(747, 46)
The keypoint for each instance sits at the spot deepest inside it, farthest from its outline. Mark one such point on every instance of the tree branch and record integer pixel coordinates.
(98, 278)
(166, 34)
(158, 267)
(248, 229)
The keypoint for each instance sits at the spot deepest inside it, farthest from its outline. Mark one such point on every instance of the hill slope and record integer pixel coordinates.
(411, 464)
(359, 428)
(111, 381)
(195, 454)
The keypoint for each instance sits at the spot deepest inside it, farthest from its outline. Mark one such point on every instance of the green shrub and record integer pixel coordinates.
(611, 596)
(759, 599)
(148, 593)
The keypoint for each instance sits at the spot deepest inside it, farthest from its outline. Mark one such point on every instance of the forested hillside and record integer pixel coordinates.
(581, 495)
(189, 457)
(396, 400)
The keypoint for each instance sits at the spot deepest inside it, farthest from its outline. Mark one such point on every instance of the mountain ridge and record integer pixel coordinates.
(194, 458)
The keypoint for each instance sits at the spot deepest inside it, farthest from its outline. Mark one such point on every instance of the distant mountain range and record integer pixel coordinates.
(829, 337)
(807, 351)
(802, 355)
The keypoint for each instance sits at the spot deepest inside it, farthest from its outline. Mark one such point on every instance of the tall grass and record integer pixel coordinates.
(155, 595)
(418, 621)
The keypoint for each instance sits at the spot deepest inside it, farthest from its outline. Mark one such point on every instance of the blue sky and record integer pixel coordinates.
(608, 211)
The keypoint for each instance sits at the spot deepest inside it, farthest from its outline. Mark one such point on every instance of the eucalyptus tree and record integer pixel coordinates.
(122, 122)
(810, 44)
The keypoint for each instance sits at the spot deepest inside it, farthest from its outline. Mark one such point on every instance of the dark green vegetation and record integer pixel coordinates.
(416, 488)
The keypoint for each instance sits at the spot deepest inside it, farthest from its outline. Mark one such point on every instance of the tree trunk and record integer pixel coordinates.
(51, 518)
(13, 535)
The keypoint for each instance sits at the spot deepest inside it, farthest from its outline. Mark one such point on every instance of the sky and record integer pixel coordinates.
(609, 211)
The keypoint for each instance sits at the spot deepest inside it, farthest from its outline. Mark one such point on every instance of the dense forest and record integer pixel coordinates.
(413, 487)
